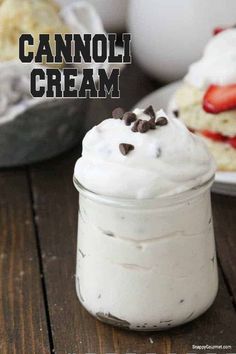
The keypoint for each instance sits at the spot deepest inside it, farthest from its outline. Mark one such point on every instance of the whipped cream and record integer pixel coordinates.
(165, 161)
(218, 64)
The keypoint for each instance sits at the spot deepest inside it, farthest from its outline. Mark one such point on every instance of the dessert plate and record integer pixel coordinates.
(225, 182)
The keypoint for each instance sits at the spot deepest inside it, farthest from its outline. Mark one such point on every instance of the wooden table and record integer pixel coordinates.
(39, 310)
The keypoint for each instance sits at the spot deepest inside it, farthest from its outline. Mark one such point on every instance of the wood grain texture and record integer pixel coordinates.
(224, 211)
(23, 328)
(74, 330)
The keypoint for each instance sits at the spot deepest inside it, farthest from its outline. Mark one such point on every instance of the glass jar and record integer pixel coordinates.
(146, 264)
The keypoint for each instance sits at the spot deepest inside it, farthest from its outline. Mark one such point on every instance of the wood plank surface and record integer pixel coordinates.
(23, 328)
(224, 209)
(73, 329)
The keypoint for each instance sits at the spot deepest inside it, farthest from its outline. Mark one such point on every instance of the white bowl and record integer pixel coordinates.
(169, 35)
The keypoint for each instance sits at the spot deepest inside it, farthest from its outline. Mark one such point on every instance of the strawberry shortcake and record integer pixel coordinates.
(206, 101)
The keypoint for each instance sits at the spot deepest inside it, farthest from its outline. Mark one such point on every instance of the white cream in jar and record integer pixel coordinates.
(146, 253)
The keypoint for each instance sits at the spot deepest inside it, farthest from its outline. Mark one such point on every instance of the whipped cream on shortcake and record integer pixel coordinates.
(206, 101)
(217, 66)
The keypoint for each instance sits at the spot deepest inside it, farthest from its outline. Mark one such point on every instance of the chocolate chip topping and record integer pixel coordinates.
(161, 121)
(118, 113)
(135, 126)
(176, 113)
(125, 148)
(150, 112)
(129, 117)
(139, 125)
(158, 152)
(143, 126)
(152, 123)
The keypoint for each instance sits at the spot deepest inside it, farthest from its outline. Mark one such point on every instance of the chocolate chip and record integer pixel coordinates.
(158, 152)
(129, 117)
(143, 126)
(152, 123)
(118, 113)
(150, 112)
(161, 121)
(82, 254)
(109, 233)
(176, 113)
(135, 126)
(125, 148)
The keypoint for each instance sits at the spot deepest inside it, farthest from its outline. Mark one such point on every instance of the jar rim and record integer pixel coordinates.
(165, 199)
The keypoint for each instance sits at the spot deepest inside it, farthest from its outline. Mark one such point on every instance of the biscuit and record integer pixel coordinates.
(224, 154)
(27, 16)
(189, 102)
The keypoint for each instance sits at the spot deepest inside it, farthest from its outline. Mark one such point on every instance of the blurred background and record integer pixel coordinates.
(167, 36)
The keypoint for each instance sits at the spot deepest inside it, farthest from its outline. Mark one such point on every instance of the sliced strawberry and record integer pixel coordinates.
(232, 142)
(219, 99)
(217, 30)
(219, 137)
(214, 136)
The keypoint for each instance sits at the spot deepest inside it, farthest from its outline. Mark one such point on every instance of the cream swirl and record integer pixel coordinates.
(218, 64)
(165, 161)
